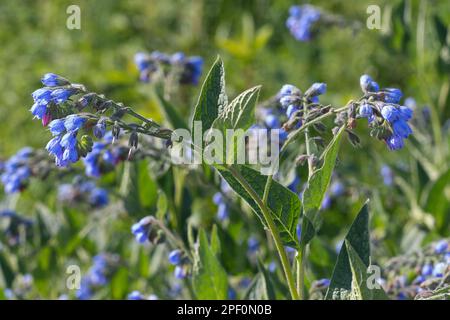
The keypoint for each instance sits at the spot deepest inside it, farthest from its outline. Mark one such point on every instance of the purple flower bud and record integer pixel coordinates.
(99, 129)
(316, 89)
(53, 80)
(289, 90)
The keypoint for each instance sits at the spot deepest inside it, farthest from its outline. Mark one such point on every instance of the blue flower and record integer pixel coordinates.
(42, 95)
(286, 101)
(401, 128)
(69, 140)
(439, 269)
(392, 95)
(99, 129)
(367, 84)
(427, 270)
(74, 122)
(290, 110)
(253, 245)
(394, 142)
(70, 155)
(53, 80)
(316, 89)
(337, 189)
(301, 21)
(39, 109)
(406, 113)
(135, 295)
(99, 197)
(223, 212)
(141, 229)
(180, 272)
(322, 282)
(61, 95)
(175, 257)
(272, 121)
(387, 174)
(299, 231)
(365, 111)
(289, 90)
(390, 113)
(441, 247)
(57, 127)
(326, 202)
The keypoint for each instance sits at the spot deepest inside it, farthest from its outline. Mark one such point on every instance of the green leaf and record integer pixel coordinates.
(161, 205)
(358, 238)
(261, 288)
(284, 205)
(119, 284)
(215, 241)
(437, 201)
(210, 279)
(212, 97)
(239, 113)
(441, 30)
(316, 189)
(360, 279)
(171, 114)
(7, 273)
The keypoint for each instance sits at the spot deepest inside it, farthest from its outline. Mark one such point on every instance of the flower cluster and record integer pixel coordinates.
(81, 191)
(387, 118)
(57, 90)
(180, 261)
(98, 275)
(16, 171)
(65, 146)
(188, 69)
(419, 274)
(12, 224)
(302, 20)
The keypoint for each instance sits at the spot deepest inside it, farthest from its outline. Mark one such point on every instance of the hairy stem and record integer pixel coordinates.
(272, 229)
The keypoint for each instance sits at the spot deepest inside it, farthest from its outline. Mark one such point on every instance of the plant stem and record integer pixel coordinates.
(301, 272)
(272, 229)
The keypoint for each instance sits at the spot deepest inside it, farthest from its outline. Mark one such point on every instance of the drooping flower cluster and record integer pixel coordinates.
(15, 172)
(12, 226)
(188, 69)
(387, 118)
(81, 191)
(302, 21)
(65, 146)
(419, 274)
(98, 275)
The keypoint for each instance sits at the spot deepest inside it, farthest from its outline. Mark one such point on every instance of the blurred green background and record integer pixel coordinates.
(411, 52)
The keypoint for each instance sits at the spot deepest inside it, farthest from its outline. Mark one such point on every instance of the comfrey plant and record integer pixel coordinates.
(291, 216)
(186, 70)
